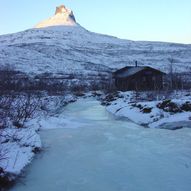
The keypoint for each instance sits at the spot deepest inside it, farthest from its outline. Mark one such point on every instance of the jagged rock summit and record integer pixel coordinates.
(63, 17)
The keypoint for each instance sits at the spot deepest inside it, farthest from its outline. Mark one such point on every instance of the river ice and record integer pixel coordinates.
(107, 154)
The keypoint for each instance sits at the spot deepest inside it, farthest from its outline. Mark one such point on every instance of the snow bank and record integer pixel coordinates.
(147, 113)
(18, 147)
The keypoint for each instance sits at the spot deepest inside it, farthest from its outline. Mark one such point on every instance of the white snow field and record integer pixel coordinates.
(71, 49)
(101, 153)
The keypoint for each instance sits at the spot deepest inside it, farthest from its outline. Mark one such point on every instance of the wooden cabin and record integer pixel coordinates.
(138, 78)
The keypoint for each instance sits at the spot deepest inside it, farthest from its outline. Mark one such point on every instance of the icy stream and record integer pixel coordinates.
(99, 153)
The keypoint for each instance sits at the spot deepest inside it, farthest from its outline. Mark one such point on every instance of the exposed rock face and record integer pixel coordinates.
(65, 11)
(61, 9)
(63, 17)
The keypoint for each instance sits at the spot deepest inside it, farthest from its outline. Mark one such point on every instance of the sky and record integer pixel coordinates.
(146, 20)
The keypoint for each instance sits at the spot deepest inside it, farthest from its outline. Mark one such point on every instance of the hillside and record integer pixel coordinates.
(65, 47)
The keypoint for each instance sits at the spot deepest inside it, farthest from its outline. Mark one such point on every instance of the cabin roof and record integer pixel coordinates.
(132, 70)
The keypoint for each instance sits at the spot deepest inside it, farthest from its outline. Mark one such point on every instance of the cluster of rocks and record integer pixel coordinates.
(143, 109)
(172, 107)
(108, 98)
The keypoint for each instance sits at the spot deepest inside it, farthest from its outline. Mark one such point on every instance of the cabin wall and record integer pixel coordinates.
(144, 80)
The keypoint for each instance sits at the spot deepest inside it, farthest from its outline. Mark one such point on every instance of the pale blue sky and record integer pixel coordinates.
(155, 20)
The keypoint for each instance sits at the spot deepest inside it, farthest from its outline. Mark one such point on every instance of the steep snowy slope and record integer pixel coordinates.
(63, 46)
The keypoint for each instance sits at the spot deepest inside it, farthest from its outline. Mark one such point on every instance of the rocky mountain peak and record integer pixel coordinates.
(61, 10)
(63, 17)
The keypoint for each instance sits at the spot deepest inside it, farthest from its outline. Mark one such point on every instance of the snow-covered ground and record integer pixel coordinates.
(18, 147)
(171, 115)
(69, 49)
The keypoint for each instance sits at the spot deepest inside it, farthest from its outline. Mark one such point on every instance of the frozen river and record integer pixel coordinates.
(101, 153)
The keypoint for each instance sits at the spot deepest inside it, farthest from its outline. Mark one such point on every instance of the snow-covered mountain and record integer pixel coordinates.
(60, 45)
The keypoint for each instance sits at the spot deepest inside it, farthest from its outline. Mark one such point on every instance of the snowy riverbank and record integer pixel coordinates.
(105, 154)
(166, 113)
(18, 146)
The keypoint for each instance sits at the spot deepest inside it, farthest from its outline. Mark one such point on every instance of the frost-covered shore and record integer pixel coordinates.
(18, 146)
(172, 113)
